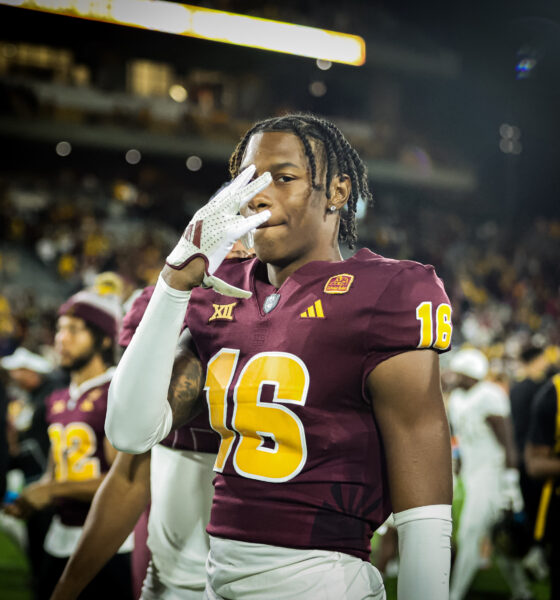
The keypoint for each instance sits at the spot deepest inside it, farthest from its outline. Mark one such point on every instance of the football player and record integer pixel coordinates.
(479, 413)
(533, 370)
(80, 454)
(179, 467)
(321, 376)
(177, 540)
(542, 458)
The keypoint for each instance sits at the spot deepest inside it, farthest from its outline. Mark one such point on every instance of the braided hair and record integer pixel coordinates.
(341, 158)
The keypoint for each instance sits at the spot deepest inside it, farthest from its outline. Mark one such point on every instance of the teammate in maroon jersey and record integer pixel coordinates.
(321, 376)
(179, 467)
(80, 454)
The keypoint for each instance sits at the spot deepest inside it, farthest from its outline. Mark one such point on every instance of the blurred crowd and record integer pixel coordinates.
(60, 231)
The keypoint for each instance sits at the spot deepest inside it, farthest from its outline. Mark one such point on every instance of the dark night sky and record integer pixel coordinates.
(491, 37)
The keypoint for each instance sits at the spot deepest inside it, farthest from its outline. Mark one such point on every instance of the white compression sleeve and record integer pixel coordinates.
(138, 413)
(425, 552)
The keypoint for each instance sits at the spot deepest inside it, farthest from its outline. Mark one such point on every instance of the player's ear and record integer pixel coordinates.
(340, 189)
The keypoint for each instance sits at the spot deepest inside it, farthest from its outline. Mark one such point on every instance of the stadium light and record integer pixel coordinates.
(209, 24)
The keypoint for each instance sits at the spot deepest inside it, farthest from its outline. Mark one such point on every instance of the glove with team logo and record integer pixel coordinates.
(215, 228)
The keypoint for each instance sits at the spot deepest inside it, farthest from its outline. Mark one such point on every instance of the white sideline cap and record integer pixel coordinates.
(24, 359)
(470, 362)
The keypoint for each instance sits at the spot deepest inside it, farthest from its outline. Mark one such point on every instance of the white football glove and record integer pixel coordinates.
(511, 496)
(215, 228)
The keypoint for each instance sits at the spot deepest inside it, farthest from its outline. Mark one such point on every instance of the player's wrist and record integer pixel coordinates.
(187, 278)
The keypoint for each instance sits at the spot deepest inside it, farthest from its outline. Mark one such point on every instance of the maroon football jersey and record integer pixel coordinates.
(76, 426)
(301, 461)
(197, 435)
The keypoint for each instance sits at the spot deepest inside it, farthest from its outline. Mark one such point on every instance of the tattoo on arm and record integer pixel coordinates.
(185, 388)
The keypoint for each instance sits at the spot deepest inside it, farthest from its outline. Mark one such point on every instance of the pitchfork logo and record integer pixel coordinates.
(193, 233)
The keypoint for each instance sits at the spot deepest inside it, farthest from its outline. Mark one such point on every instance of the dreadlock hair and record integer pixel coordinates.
(341, 159)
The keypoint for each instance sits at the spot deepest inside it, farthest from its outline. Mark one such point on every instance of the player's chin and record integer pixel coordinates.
(268, 244)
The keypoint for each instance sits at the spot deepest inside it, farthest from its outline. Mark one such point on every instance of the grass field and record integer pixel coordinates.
(14, 571)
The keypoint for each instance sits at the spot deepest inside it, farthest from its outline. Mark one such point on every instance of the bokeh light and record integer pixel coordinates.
(317, 89)
(63, 148)
(194, 163)
(178, 93)
(324, 65)
(133, 156)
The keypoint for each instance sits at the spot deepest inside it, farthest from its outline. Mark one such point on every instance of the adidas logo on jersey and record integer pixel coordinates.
(315, 311)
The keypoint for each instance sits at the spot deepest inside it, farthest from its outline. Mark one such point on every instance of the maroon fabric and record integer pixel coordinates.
(340, 495)
(134, 315)
(79, 306)
(141, 554)
(87, 417)
(197, 435)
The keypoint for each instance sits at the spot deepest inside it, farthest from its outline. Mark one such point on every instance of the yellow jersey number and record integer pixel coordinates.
(73, 447)
(440, 336)
(271, 437)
